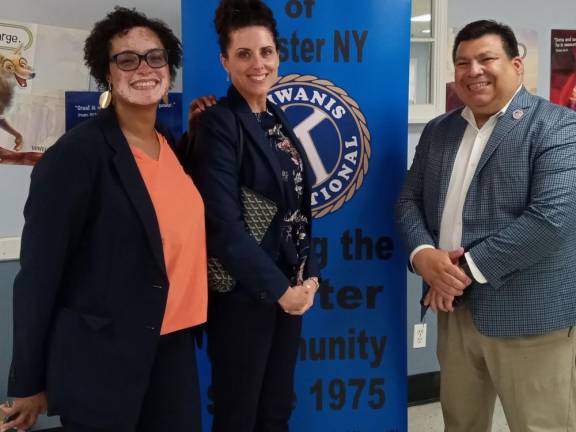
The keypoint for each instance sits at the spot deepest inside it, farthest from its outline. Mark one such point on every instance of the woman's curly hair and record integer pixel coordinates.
(119, 22)
(235, 14)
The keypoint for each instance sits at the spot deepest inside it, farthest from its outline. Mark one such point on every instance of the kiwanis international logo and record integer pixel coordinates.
(334, 134)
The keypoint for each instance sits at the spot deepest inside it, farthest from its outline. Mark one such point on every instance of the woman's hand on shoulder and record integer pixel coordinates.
(197, 106)
(24, 411)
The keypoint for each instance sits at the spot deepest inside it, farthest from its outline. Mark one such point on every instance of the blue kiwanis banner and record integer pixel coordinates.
(344, 85)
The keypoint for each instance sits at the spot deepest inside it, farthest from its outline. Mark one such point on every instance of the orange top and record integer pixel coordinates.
(180, 213)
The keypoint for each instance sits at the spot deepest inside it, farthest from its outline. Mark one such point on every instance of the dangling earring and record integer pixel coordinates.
(227, 76)
(105, 98)
(165, 98)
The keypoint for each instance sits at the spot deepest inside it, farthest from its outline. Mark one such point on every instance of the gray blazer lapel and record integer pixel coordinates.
(454, 135)
(514, 115)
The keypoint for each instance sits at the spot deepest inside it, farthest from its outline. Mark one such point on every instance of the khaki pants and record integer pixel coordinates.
(534, 377)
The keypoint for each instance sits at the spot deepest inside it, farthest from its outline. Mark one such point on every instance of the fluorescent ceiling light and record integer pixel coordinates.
(426, 31)
(421, 18)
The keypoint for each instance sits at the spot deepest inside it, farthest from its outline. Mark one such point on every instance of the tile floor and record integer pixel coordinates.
(422, 418)
(428, 418)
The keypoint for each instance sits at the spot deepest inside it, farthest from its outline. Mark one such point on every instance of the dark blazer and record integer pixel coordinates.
(215, 172)
(90, 296)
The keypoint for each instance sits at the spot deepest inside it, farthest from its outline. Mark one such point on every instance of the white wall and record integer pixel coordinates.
(82, 14)
(538, 15)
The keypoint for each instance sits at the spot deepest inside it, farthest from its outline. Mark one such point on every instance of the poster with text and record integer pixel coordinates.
(343, 83)
(37, 64)
(563, 68)
(81, 106)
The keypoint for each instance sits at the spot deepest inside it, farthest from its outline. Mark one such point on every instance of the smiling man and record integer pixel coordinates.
(488, 212)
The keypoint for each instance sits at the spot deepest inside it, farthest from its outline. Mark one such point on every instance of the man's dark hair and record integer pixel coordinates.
(119, 22)
(477, 29)
(236, 14)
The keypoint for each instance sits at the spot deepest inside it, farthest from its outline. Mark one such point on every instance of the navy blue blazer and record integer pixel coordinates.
(90, 296)
(214, 168)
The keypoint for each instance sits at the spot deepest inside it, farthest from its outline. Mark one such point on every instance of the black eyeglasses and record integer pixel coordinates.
(129, 60)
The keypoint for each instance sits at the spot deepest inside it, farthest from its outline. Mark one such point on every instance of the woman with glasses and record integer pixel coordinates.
(113, 263)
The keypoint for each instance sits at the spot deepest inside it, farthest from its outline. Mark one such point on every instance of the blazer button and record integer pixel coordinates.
(150, 327)
(263, 295)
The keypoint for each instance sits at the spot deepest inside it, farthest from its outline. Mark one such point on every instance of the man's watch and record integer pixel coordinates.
(463, 264)
(460, 300)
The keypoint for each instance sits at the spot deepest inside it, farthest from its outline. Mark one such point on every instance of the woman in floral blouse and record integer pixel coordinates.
(244, 141)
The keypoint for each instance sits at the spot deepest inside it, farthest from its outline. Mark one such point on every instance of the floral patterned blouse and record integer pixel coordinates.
(294, 223)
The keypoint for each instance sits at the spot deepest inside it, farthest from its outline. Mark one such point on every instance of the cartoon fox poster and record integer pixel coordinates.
(37, 65)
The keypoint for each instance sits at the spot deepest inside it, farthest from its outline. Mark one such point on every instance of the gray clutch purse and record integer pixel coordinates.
(258, 212)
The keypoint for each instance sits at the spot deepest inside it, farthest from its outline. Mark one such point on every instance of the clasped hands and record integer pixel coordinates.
(299, 298)
(439, 269)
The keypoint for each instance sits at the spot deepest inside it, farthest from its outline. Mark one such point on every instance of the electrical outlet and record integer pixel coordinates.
(419, 340)
(9, 248)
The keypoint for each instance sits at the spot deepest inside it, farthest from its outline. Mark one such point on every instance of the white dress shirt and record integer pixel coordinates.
(469, 153)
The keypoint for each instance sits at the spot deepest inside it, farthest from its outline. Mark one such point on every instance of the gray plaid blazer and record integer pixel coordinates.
(519, 218)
